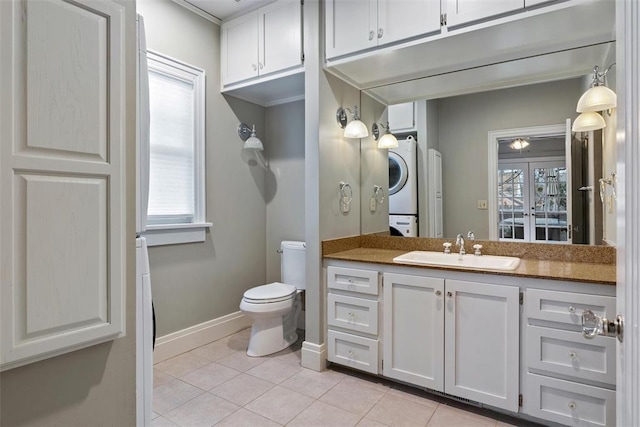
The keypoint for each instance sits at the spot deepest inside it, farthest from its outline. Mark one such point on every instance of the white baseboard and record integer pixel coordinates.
(188, 339)
(314, 356)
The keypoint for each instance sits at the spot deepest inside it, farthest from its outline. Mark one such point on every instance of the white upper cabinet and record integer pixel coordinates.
(356, 25)
(62, 182)
(402, 117)
(465, 11)
(262, 42)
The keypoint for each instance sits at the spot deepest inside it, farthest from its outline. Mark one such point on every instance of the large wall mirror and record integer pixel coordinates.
(548, 191)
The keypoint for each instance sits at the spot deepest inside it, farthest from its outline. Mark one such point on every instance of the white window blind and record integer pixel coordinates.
(176, 211)
(172, 150)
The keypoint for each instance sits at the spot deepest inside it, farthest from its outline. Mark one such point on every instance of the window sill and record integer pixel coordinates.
(175, 234)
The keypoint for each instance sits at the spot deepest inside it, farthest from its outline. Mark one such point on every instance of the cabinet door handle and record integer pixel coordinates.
(260, 65)
(380, 33)
(255, 68)
(371, 35)
(438, 293)
(449, 294)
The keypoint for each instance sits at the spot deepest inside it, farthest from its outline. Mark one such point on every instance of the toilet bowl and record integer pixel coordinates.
(274, 308)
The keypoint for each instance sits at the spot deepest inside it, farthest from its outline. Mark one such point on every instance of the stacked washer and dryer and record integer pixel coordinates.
(403, 188)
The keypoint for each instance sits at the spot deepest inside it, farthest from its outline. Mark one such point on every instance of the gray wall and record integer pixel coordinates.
(94, 386)
(464, 122)
(194, 283)
(284, 152)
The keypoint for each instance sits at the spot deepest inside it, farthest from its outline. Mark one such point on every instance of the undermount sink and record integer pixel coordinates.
(483, 262)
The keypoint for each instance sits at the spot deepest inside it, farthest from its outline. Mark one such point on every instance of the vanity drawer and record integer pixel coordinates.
(353, 280)
(569, 353)
(567, 307)
(353, 351)
(570, 403)
(356, 314)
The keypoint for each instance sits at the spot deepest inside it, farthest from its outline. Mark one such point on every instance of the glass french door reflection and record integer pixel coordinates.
(533, 202)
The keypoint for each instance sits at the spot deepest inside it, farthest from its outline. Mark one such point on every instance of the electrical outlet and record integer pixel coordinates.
(482, 204)
(372, 204)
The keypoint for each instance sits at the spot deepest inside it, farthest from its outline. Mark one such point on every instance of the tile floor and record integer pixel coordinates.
(218, 384)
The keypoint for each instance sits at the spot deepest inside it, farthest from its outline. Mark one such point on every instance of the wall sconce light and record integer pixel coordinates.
(248, 135)
(597, 98)
(519, 144)
(355, 128)
(387, 140)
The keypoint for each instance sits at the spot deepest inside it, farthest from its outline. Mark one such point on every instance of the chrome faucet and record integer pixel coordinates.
(460, 242)
(471, 236)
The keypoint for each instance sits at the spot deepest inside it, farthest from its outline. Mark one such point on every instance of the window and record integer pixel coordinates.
(176, 211)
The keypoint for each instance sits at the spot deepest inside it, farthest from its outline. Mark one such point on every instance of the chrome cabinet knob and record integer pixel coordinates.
(380, 33)
(572, 405)
(438, 293)
(371, 35)
(255, 67)
(260, 65)
(572, 309)
(449, 294)
(573, 355)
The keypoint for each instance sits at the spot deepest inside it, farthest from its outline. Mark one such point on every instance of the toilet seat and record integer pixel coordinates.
(271, 293)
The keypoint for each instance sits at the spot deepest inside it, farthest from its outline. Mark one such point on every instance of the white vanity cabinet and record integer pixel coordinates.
(263, 42)
(570, 379)
(352, 317)
(454, 336)
(356, 25)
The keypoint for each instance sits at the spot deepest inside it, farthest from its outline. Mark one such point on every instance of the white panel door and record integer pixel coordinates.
(62, 177)
(482, 343)
(465, 11)
(280, 34)
(239, 49)
(350, 26)
(413, 329)
(404, 19)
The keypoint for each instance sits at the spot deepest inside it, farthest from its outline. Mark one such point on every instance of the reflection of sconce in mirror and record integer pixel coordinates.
(248, 135)
(597, 98)
(387, 140)
(603, 186)
(377, 198)
(519, 144)
(346, 195)
(355, 128)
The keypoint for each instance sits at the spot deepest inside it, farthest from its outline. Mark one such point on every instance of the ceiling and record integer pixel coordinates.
(224, 9)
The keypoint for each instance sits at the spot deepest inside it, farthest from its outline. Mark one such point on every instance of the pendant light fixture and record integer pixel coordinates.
(519, 144)
(355, 128)
(597, 98)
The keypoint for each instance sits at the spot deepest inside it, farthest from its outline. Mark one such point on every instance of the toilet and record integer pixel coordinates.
(274, 308)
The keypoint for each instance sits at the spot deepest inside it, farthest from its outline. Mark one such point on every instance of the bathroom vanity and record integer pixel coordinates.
(509, 340)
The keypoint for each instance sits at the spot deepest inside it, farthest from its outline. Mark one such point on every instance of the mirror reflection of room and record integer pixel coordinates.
(547, 191)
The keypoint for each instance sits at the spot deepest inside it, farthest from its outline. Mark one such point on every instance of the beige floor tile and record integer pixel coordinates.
(162, 422)
(239, 341)
(182, 364)
(289, 356)
(203, 411)
(213, 351)
(241, 362)
(274, 370)
(172, 394)
(352, 396)
(313, 384)
(245, 418)
(322, 415)
(368, 422)
(375, 383)
(210, 376)
(416, 395)
(154, 415)
(280, 404)
(396, 411)
(160, 378)
(242, 389)
(447, 416)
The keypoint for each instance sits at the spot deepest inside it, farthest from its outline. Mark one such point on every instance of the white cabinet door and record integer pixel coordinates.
(402, 117)
(280, 33)
(239, 50)
(62, 181)
(482, 343)
(464, 11)
(413, 329)
(404, 19)
(350, 26)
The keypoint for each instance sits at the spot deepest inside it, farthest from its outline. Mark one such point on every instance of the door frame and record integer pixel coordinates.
(493, 137)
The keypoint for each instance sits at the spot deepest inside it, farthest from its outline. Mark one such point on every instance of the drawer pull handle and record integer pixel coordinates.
(572, 309)
(573, 355)
(438, 293)
(572, 405)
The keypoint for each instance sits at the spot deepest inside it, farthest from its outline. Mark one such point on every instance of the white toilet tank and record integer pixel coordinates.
(292, 264)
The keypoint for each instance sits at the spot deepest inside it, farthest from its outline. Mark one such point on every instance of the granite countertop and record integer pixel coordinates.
(553, 269)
